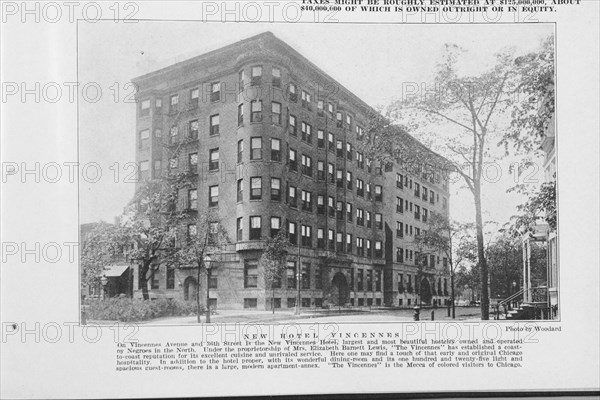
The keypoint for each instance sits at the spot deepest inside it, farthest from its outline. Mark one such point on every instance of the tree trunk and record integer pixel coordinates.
(144, 278)
(273, 298)
(198, 294)
(452, 294)
(483, 268)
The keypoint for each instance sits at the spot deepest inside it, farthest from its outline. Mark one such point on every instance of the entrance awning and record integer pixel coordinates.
(114, 271)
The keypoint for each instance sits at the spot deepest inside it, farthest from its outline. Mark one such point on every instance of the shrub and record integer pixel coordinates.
(131, 310)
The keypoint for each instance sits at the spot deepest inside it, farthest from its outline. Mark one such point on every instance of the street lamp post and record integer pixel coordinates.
(104, 281)
(207, 264)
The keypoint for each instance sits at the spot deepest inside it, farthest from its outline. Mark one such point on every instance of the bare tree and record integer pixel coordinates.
(272, 262)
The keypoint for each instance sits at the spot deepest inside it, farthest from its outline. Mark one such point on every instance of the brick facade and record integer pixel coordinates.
(287, 146)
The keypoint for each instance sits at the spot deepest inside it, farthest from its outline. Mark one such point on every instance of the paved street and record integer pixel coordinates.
(323, 316)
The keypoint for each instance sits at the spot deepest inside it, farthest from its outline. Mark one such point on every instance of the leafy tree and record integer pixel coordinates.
(103, 246)
(150, 221)
(452, 239)
(473, 113)
(200, 237)
(272, 262)
(541, 204)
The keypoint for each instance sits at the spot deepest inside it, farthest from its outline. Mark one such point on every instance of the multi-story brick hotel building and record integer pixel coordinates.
(274, 141)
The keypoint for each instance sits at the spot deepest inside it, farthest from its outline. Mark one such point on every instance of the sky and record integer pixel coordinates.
(371, 60)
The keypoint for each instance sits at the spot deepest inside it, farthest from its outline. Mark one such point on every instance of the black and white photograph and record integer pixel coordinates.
(279, 173)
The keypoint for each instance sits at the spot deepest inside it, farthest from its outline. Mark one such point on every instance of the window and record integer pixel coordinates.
(306, 165)
(240, 190)
(339, 206)
(399, 229)
(425, 213)
(318, 283)
(417, 212)
(306, 100)
(144, 141)
(275, 226)
(275, 150)
(349, 151)
(241, 80)
(256, 111)
(348, 120)
(144, 168)
(240, 114)
(256, 77)
(256, 148)
(417, 190)
(292, 233)
(174, 102)
(368, 243)
(399, 205)
(425, 196)
(432, 197)
(240, 151)
(360, 217)
(399, 181)
(360, 187)
(330, 141)
(255, 188)
(255, 227)
(360, 162)
(360, 246)
(144, 108)
(360, 281)
(215, 91)
(320, 139)
(292, 93)
(276, 77)
(349, 212)
(348, 243)
(292, 125)
(339, 119)
(213, 160)
(251, 273)
(292, 198)
(193, 128)
(378, 249)
(320, 170)
(170, 278)
(193, 199)
(378, 193)
(306, 201)
(213, 196)
(369, 164)
(305, 280)
(339, 238)
(330, 206)
(293, 162)
(399, 255)
(348, 180)
(320, 238)
(330, 108)
(320, 105)
(378, 281)
(339, 146)
(239, 229)
(378, 221)
(193, 162)
(306, 236)
(276, 113)
(339, 177)
(320, 204)
(330, 239)
(275, 189)
(368, 191)
(368, 219)
(291, 274)
(158, 133)
(331, 172)
(291, 302)
(306, 132)
(359, 132)
(158, 104)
